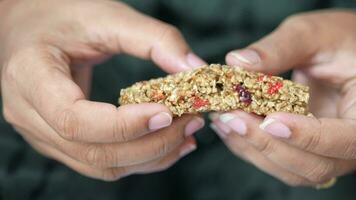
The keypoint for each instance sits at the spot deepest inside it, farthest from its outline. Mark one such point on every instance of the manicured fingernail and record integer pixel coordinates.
(187, 150)
(246, 56)
(193, 126)
(194, 61)
(275, 128)
(226, 117)
(213, 116)
(217, 130)
(234, 122)
(159, 121)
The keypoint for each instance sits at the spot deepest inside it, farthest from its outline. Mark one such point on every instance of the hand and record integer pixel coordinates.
(48, 48)
(296, 149)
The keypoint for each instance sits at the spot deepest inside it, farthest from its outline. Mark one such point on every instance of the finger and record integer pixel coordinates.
(245, 150)
(147, 148)
(167, 161)
(315, 168)
(111, 174)
(53, 94)
(141, 150)
(292, 44)
(325, 136)
(126, 30)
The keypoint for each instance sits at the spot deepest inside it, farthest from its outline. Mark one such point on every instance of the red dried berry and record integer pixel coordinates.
(238, 88)
(199, 102)
(274, 87)
(244, 95)
(279, 83)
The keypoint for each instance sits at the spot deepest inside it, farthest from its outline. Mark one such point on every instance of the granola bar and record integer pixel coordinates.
(220, 88)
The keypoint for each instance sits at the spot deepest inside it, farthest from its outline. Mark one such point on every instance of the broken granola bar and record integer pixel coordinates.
(220, 88)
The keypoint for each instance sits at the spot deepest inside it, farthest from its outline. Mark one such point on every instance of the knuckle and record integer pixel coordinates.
(299, 23)
(68, 125)
(8, 115)
(121, 130)
(100, 156)
(295, 20)
(266, 146)
(170, 33)
(321, 172)
(9, 72)
(112, 174)
(350, 149)
(161, 146)
(311, 142)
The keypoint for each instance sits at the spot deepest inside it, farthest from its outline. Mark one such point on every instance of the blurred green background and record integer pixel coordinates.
(212, 28)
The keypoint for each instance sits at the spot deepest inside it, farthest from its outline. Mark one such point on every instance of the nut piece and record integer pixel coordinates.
(220, 88)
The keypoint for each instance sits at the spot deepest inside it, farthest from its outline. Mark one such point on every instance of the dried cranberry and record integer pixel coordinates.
(244, 95)
(274, 87)
(199, 102)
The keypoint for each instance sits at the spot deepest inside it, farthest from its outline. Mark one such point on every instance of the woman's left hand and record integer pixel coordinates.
(301, 150)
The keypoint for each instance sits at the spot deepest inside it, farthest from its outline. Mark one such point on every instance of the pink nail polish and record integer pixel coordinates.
(193, 126)
(219, 132)
(234, 122)
(246, 56)
(194, 61)
(224, 129)
(238, 126)
(275, 128)
(213, 116)
(159, 121)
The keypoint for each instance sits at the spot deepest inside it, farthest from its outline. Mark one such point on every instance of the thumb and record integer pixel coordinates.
(291, 44)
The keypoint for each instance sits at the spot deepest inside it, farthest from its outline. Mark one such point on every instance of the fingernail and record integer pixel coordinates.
(159, 121)
(193, 126)
(213, 116)
(246, 56)
(219, 132)
(234, 122)
(187, 150)
(275, 128)
(194, 61)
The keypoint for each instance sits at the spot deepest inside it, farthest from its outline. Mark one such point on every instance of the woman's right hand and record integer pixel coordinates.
(48, 48)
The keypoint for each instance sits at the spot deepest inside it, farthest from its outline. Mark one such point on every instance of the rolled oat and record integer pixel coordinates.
(220, 88)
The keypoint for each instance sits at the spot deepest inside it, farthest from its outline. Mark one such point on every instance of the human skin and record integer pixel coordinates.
(299, 150)
(48, 49)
